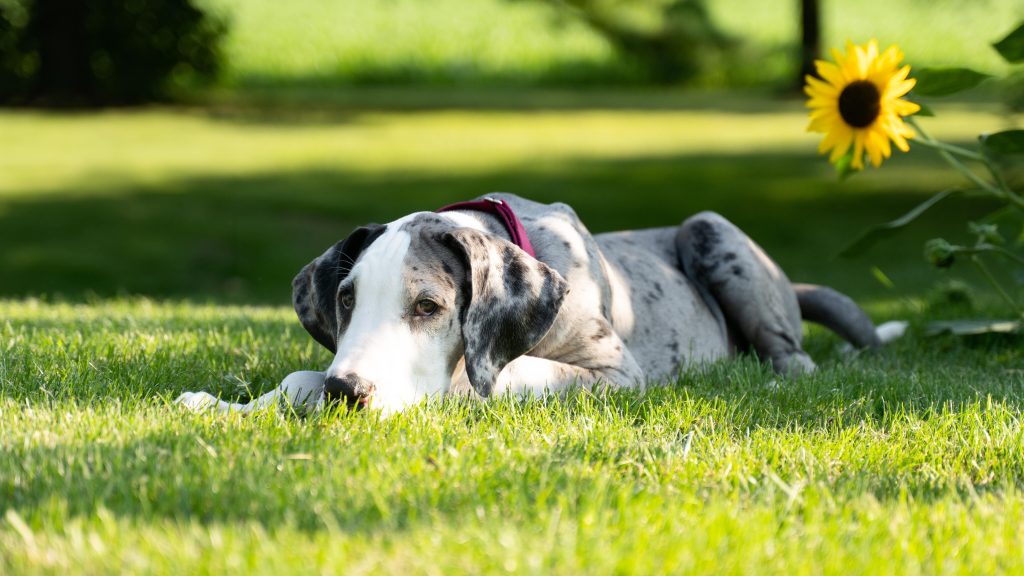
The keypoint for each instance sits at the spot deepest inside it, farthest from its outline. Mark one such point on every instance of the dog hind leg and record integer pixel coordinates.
(754, 294)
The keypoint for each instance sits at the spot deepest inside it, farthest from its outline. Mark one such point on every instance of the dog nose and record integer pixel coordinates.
(355, 391)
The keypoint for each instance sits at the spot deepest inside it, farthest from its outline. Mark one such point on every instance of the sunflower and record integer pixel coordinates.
(858, 103)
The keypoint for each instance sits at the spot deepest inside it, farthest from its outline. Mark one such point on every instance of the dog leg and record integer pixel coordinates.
(302, 391)
(530, 375)
(753, 292)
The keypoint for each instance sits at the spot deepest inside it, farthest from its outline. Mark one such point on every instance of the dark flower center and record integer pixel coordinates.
(859, 103)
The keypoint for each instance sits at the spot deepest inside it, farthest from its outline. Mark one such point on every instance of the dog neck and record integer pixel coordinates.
(501, 213)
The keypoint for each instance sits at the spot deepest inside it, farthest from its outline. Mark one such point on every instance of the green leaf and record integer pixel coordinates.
(925, 111)
(972, 327)
(946, 81)
(882, 278)
(986, 232)
(1006, 142)
(844, 166)
(876, 233)
(1011, 48)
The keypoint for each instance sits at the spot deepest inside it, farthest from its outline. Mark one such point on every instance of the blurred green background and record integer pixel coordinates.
(329, 114)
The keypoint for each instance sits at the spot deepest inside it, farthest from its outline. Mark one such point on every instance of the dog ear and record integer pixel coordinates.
(315, 287)
(510, 302)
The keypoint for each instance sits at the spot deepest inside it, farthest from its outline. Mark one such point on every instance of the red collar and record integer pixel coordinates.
(504, 212)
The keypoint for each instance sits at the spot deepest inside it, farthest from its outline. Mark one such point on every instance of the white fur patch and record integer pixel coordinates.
(887, 332)
(529, 375)
(380, 346)
(464, 220)
(892, 330)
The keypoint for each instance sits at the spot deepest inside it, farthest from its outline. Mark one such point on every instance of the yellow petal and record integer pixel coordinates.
(889, 60)
(839, 57)
(872, 50)
(823, 123)
(882, 141)
(820, 87)
(858, 151)
(898, 84)
(861, 59)
(873, 145)
(820, 110)
(838, 141)
(905, 108)
(830, 72)
(897, 138)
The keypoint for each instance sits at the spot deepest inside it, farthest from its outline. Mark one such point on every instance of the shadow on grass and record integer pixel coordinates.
(243, 238)
(311, 103)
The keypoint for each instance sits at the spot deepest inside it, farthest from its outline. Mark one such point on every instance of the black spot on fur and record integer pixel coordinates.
(729, 256)
(315, 288)
(504, 315)
(515, 272)
(737, 271)
(705, 237)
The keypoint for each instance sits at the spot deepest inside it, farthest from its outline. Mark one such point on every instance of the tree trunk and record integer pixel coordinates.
(65, 78)
(810, 38)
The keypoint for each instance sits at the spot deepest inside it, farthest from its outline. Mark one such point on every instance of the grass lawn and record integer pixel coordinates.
(229, 202)
(906, 461)
(324, 44)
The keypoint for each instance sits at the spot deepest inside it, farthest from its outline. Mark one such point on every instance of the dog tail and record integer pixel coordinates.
(837, 312)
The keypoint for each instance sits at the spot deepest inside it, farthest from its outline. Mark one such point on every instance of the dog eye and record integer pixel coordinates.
(425, 308)
(347, 300)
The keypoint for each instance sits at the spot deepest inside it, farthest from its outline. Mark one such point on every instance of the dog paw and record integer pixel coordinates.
(197, 401)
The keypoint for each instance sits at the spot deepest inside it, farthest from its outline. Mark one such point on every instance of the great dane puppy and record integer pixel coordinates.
(437, 303)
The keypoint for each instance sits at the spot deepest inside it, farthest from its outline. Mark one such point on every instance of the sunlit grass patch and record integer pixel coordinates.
(325, 46)
(909, 459)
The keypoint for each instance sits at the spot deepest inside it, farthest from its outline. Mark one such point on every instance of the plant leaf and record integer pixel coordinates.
(882, 278)
(972, 327)
(925, 111)
(876, 233)
(1006, 142)
(946, 81)
(1011, 48)
(844, 166)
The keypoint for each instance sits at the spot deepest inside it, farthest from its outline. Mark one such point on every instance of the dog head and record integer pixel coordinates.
(400, 305)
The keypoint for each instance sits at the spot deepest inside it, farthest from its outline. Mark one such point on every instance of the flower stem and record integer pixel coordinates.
(953, 161)
(1001, 190)
(939, 145)
(990, 249)
(996, 285)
